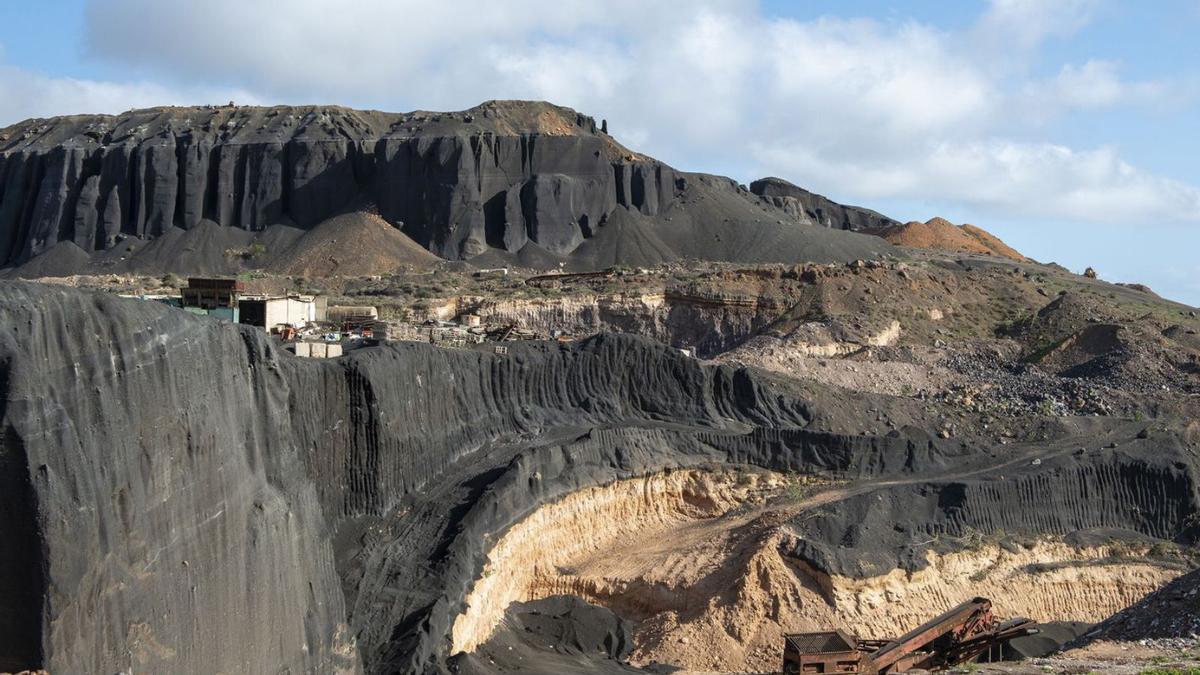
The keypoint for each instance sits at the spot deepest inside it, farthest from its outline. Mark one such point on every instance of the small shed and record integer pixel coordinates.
(291, 310)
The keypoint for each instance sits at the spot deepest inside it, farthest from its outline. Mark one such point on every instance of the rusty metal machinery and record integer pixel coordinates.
(956, 636)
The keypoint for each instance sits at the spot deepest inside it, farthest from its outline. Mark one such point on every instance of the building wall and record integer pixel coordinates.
(341, 312)
(291, 311)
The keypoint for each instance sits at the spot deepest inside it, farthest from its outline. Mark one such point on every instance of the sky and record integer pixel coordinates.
(1069, 128)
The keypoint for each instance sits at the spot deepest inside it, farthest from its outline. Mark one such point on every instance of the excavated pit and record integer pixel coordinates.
(192, 498)
(698, 560)
(709, 324)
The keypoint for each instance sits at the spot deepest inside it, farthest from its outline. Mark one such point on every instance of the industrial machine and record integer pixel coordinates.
(957, 636)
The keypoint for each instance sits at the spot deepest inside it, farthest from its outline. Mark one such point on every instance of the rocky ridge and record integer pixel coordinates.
(504, 182)
(817, 209)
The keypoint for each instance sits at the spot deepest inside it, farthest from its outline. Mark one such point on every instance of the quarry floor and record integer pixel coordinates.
(694, 558)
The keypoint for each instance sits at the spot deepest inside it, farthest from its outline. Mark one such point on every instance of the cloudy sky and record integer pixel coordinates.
(1067, 127)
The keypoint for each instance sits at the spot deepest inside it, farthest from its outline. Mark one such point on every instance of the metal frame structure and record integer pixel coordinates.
(953, 637)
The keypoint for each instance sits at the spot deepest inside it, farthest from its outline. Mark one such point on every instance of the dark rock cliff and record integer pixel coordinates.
(1149, 489)
(179, 495)
(504, 177)
(813, 208)
(184, 494)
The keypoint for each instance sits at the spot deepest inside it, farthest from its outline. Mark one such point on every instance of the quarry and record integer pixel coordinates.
(577, 412)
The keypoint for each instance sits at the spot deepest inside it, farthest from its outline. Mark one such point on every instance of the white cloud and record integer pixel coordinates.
(1095, 85)
(859, 108)
(1011, 179)
(1014, 27)
(358, 47)
(859, 85)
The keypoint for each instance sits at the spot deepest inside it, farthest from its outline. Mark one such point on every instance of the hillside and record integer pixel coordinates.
(817, 209)
(507, 180)
(842, 456)
(358, 243)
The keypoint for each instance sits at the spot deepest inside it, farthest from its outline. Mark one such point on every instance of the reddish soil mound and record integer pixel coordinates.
(359, 243)
(992, 242)
(942, 234)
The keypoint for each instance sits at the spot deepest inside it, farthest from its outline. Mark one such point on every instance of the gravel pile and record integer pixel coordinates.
(1167, 618)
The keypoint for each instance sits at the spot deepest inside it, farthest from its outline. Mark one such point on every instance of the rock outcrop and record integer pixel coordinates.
(815, 209)
(181, 495)
(531, 181)
(178, 494)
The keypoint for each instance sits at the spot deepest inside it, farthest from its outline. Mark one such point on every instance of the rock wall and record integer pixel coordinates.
(816, 209)
(163, 518)
(186, 497)
(457, 195)
(494, 178)
(1147, 488)
(180, 495)
(709, 325)
(697, 561)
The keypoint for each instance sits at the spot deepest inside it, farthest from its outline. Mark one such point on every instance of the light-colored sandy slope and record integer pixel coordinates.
(694, 558)
(533, 557)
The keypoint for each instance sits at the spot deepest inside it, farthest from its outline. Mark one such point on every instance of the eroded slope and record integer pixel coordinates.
(507, 181)
(190, 497)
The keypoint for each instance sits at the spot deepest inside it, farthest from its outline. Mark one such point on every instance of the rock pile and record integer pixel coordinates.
(1167, 618)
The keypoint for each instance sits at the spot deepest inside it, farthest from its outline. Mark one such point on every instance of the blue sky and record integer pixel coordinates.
(1067, 127)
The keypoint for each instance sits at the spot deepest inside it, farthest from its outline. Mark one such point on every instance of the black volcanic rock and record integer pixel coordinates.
(559, 635)
(815, 209)
(1146, 490)
(181, 482)
(177, 494)
(493, 178)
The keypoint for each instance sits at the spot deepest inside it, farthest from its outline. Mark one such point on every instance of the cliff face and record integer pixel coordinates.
(159, 517)
(811, 207)
(178, 495)
(493, 178)
(456, 184)
(182, 496)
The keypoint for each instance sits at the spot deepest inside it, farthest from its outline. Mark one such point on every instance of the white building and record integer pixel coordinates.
(292, 310)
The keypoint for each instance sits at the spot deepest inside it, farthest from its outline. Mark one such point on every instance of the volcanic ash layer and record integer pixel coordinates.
(178, 495)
